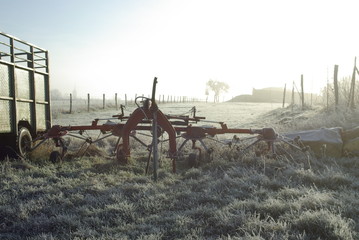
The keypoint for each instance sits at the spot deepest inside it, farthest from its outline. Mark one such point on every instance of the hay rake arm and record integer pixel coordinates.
(143, 119)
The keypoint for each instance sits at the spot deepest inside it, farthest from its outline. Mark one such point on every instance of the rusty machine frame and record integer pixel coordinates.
(149, 117)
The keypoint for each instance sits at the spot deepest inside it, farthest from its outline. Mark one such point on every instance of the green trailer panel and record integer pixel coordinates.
(24, 90)
(5, 76)
(23, 84)
(6, 118)
(6, 109)
(41, 113)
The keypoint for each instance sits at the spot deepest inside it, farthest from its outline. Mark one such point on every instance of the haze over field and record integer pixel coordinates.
(119, 46)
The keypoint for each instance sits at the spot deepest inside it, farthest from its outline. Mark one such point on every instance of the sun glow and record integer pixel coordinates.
(247, 44)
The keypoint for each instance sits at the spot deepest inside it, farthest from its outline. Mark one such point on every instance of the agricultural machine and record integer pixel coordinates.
(147, 117)
(25, 120)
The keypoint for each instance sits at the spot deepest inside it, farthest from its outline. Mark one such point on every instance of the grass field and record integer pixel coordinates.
(231, 196)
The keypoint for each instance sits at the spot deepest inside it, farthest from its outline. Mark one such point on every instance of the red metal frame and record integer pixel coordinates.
(140, 119)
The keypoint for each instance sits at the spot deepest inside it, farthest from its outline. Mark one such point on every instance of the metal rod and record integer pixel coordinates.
(154, 131)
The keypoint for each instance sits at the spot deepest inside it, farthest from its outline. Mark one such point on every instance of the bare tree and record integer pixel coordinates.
(217, 87)
(56, 94)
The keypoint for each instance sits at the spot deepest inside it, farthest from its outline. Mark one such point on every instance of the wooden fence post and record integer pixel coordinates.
(302, 86)
(352, 87)
(103, 101)
(327, 90)
(88, 102)
(285, 89)
(116, 101)
(292, 97)
(336, 90)
(70, 103)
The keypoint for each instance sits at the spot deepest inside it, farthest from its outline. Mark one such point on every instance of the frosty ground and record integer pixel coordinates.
(231, 196)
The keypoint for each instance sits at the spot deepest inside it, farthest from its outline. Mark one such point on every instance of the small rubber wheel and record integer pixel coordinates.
(192, 160)
(24, 142)
(55, 157)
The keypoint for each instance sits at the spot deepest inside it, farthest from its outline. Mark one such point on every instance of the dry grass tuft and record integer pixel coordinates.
(228, 196)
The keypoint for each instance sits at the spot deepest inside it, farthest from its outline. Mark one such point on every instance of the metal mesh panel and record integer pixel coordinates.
(23, 83)
(5, 116)
(24, 110)
(40, 87)
(5, 77)
(41, 117)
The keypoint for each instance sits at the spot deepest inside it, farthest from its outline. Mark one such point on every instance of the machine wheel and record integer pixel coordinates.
(193, 160)
(24, 142)
(269, 134)
(55, 157)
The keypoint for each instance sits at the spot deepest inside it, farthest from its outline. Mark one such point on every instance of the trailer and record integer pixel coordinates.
(24, 94)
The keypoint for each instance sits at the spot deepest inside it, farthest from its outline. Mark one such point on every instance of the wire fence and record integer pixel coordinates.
(73, 105)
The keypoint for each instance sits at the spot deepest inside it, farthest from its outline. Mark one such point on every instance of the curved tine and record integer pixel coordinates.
(215, 140)
(251, 145)
(105, 136)
(272, 146)
(291, 144)
(39, 144)
(117, 143)
(148, 161)
(64, 148)
(285, 151)
(78, 152)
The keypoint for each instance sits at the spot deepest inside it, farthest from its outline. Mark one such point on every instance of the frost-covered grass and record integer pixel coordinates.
(241, 114)
(229, 196)
(245, 198)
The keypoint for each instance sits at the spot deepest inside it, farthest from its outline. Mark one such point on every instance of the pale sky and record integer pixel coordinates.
(120, 46)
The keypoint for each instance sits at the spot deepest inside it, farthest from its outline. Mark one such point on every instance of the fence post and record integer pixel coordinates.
(292, 97)
(311, 99)
(116, 101)
(302, 86)
(103, 101)
(352, 87)
(70, 103)
(285, 89)
(336, 90)
(88, 102)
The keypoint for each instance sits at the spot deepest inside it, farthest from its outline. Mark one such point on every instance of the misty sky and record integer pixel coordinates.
(119, 46)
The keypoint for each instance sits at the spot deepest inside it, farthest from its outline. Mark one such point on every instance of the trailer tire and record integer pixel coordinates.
(24, 142)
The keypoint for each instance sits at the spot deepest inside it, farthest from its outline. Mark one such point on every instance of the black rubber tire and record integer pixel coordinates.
(24, 142)
(55, 157)
(192, 160)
